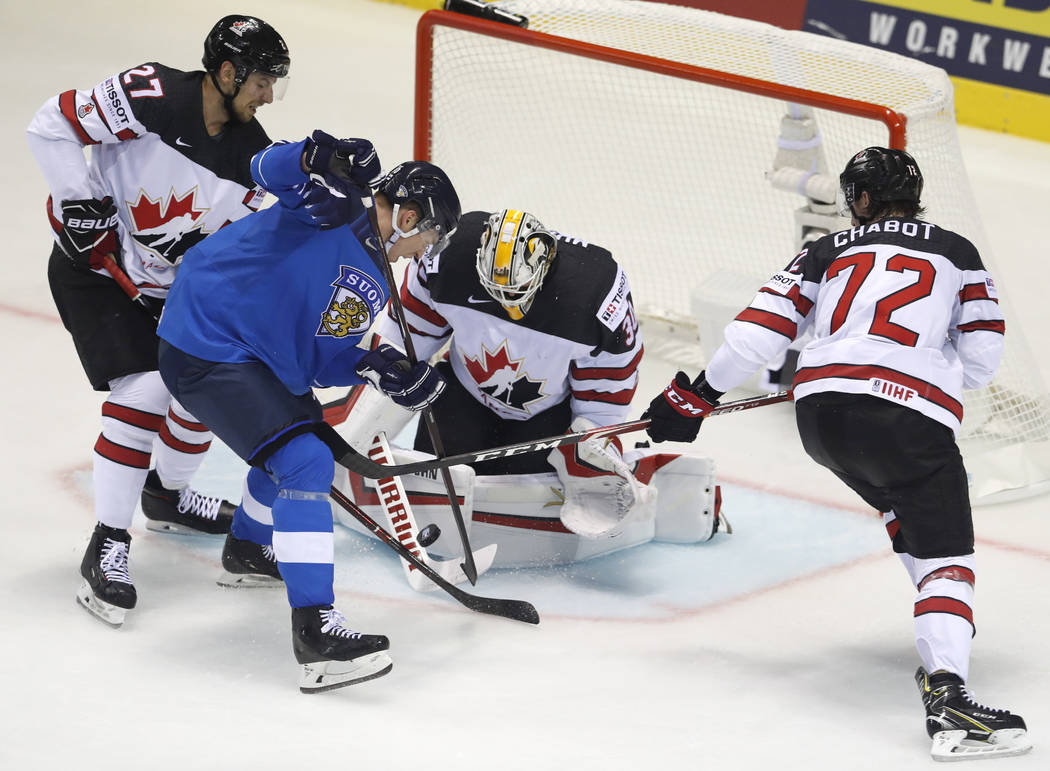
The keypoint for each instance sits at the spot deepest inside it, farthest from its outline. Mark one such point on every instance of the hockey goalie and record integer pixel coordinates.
(542, 340)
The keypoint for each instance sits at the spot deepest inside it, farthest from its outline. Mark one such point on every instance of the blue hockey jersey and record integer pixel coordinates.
(273, 287)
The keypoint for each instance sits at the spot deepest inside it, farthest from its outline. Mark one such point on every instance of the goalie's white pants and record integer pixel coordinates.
(520, 512)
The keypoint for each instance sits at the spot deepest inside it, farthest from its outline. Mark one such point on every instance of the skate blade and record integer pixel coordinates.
(173, 528)
(950, 746)
(248, 581)
(103, 611)
(323, 676)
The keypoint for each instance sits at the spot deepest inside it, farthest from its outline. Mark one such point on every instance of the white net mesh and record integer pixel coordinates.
(670, 174)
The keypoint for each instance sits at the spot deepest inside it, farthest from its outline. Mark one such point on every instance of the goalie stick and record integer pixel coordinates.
(517, 610)
(349, 458)
(469, 567)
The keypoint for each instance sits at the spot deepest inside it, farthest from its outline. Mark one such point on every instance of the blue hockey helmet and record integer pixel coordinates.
(428, 187)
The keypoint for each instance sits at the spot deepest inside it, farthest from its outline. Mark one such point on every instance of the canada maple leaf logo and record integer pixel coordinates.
(503, 379)
(168, 226)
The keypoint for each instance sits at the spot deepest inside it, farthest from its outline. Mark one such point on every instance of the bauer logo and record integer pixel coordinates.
(614, 307)
(355, 301)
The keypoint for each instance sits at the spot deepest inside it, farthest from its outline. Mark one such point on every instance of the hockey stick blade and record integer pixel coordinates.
(450, 569)
(359, 464)
(517, 610)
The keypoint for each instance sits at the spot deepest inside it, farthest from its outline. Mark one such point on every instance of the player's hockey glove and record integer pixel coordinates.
(413, 387)
(676, 414)
(346, 165)
(89, 231)
(326, 208)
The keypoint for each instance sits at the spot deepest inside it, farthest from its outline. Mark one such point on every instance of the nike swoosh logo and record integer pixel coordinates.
(474, 301)
(180, 143)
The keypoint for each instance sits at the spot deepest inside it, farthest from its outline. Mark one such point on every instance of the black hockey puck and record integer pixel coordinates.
(428, 535)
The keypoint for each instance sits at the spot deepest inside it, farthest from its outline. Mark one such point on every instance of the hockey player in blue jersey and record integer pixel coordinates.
(272, 306)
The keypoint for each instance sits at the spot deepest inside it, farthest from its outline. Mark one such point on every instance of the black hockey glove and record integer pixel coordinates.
(346, 165)
(414, 387)
(326, 208)
(89, 231)
(676, 414)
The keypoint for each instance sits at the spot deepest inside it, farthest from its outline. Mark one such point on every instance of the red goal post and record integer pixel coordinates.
(653, 129)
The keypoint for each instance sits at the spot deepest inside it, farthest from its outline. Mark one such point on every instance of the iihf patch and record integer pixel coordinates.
(356, 300)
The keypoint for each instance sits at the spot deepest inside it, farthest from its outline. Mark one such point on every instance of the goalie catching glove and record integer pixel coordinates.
(600, 489)
(412, 386)
(676, 414)
(346, 165)
(89, 231)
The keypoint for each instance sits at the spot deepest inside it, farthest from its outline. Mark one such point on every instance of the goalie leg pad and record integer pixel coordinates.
(688, 500)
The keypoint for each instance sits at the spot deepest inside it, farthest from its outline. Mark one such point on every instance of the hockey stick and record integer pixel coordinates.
(348, 457)
(469, 568)
(117, 274)
(518, 610)
(395, 505)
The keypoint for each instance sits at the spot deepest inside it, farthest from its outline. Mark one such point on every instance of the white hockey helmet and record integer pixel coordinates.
(513, 258)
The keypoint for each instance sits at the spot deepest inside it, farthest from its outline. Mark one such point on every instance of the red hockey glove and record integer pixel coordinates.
(89, 231)
(676, 414)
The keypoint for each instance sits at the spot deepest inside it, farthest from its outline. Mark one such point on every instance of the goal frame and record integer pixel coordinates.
(896, 124)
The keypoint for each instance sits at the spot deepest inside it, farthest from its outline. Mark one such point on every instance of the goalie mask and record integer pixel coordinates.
(515, 253)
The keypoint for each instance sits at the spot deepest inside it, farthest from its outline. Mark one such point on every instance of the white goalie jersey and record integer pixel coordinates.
(171, 182)
(579, 340)
(899, 309)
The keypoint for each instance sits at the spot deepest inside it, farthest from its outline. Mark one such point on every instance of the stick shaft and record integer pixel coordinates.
(365, 467)
(469, 567)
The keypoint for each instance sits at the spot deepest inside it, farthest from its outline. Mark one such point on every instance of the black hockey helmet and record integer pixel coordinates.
(427, 186)
(887, 175)
(250, 44)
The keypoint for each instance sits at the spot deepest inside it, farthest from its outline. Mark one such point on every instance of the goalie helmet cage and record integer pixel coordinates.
(650, 129)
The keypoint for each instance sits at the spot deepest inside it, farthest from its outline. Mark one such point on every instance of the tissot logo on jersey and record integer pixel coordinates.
(503, 379)
(355, 301)
(614, 306)
(114, 105)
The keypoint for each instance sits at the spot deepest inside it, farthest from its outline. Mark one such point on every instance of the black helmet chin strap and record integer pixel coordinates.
(227, 100)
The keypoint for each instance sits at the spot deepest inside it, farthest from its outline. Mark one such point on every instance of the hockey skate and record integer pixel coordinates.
(184, 511)
(332, 655)
(107, 591)
(963, 729)
(248, 564)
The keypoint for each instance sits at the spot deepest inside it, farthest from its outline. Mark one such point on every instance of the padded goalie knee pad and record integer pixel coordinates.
(370, 413)
(687, 501)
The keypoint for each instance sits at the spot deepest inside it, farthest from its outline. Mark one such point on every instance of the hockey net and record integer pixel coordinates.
(650, 129)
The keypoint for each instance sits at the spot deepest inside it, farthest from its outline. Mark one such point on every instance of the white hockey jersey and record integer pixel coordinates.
(171, 182)
(900, 309)
(579, 340)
